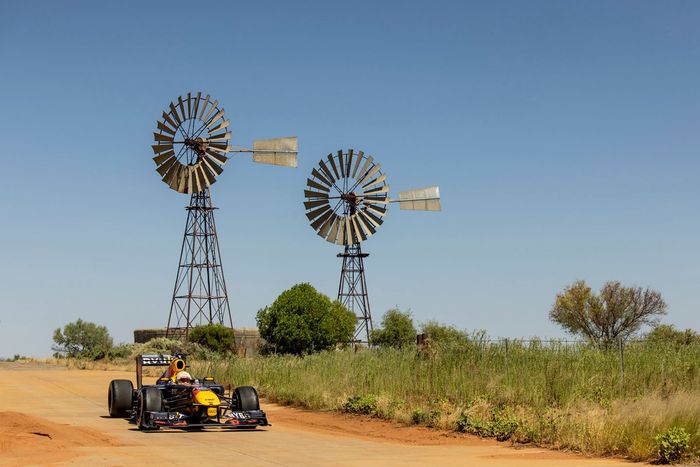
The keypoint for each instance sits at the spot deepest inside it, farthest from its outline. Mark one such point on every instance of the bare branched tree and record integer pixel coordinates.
(616, 313)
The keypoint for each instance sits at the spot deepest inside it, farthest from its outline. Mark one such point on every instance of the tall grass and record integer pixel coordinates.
(558, 394)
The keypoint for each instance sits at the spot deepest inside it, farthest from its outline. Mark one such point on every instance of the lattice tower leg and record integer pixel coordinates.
(352, 291)
(199, 296)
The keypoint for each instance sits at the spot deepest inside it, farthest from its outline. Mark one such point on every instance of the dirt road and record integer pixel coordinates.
(54, 416)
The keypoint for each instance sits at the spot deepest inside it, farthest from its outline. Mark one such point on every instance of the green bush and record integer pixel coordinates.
(397, 330)
(82, 339)
(443, 334)
(503, 424)
(672, 444)
(120, 352)
(302, 321)
(215, 337)
(473, 425)
(364, 405)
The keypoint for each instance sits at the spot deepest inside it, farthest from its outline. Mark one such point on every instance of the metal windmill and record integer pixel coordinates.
(191, 148)
(346, 199)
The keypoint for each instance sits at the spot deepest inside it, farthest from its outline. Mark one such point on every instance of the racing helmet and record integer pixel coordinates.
(183, 377)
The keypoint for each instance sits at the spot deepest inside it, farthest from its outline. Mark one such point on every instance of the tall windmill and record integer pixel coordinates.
(191, 148)
(346, 199)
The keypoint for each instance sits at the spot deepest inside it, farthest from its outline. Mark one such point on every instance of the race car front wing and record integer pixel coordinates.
(233, 419)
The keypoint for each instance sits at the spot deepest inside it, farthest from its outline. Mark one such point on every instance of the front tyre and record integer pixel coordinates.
(150, 400)
(120, 398)
(247, 398)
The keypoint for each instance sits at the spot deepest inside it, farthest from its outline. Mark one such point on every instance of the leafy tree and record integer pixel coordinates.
(442, 333)
(618, 312)
(668, 334)
(302, 320)
(397, 330)
(82, 339)
(216, 337)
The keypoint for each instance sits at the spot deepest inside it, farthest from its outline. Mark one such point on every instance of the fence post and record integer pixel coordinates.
(622, 362)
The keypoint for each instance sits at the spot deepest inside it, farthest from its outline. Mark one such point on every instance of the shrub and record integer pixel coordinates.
(216, 337)
(82, 339)
(443, 334)
(503, 425)
(668, 334)
(672, 444)
(302, 321)
(397, 330)
(364, 405)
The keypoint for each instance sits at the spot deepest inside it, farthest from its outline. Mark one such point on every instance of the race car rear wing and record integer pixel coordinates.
(174, 361)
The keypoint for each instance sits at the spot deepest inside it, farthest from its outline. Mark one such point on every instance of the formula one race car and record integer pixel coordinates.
(177, 401)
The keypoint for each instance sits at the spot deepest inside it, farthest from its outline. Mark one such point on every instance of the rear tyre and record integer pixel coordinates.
(247, 398)
(150, 400)
(120, 397)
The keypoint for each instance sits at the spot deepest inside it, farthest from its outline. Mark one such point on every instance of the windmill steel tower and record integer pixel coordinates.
(346, 199)
(191, 147)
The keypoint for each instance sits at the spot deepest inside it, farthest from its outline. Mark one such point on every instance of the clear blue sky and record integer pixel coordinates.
(564, 137)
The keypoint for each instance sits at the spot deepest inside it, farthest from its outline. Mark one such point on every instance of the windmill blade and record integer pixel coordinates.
(376, 199)
(167, 118)
(333, 234)
(349, 235)
(211, 165)
(312, 184)
(220, 137)
(421, 199)
(196, 182)
(182, 108)
(221, 147)
(349, 162)
(161, 137)
(314, 204)
(204, 107)
(189, 105)
(276, 151)
(376, 209)
(335, 169)
(365, 167)
(173, 112)
(215, 118)
(315, 194)
(158, 148)
(165, 128)
(171, 177)
(369, 174)
(320, 177)
(357, 228)
(326, 171)
(321, 219)
(369, 218)
(212, 108)
(311, 215)
(220, 126)
(341, 164)
(159, 159)
(365, 224)
(208, 175)
(196, 104)
(360, 154)
(374, 218)
(218, 157)
(326, 227)
(380, 189)
(165, 168)
(377, 180)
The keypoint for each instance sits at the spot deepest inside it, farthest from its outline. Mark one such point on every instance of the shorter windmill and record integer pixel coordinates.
(347, 197)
